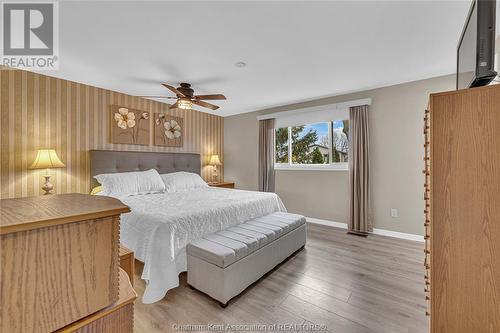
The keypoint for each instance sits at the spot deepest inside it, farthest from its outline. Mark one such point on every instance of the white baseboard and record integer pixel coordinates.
(327, 222)
(395, 234)
(381, 232)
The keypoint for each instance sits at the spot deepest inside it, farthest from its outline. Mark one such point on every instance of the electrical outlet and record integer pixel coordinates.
(394, 212)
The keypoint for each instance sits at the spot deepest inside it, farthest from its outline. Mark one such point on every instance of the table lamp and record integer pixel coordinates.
(215, 161)
(47, 159)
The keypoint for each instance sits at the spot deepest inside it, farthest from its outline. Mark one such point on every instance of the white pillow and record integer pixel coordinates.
(182, 181)
(131, 183)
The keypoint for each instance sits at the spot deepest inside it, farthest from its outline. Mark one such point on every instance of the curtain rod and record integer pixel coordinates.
(325, 107)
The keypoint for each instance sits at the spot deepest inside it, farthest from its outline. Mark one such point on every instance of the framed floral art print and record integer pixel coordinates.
(169, 130)
(129, 126)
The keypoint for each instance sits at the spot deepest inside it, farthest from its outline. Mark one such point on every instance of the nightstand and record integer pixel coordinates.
(127, 262)
(222, 184)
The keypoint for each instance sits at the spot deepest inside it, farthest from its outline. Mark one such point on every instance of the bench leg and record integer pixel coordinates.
(222, 305)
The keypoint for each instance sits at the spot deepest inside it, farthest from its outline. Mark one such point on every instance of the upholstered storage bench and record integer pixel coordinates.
(224, 263)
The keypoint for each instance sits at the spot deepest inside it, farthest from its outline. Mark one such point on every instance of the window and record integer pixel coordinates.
(322, 145)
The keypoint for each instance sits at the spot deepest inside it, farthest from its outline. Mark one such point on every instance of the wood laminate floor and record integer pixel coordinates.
(342, 282)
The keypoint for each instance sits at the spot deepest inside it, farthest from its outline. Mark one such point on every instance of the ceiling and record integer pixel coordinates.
(295, 51)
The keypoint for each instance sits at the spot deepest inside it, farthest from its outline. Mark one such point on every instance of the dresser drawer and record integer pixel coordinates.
(117, 318)
(58, 275)
(61, 266)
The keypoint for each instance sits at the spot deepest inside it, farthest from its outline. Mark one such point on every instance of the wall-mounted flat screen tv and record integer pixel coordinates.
(476, 48)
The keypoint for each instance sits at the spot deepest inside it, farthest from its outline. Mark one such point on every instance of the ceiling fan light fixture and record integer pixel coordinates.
(185, 104)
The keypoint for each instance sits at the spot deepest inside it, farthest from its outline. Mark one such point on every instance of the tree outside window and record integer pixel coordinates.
(281, 137)
(340, 141)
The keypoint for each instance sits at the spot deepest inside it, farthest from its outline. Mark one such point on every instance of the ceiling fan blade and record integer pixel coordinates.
(173, 89)
(204, 104)
(210, 97)
(174, 106)
(169, 97)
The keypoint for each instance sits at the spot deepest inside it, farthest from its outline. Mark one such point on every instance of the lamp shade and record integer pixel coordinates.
(214, 160)
(47, 158)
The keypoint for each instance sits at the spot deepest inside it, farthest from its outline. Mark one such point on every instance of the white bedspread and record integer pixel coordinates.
(159, 227)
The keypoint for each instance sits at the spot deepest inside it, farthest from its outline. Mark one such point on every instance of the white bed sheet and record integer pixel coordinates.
(160, 225)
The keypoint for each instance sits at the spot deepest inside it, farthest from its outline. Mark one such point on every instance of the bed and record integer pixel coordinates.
(160, 225)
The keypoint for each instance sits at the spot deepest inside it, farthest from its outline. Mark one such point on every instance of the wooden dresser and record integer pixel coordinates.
(462, 210)
(59, 260)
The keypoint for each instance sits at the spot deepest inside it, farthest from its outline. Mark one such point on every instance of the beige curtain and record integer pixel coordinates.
(266, 155)
(360, 221)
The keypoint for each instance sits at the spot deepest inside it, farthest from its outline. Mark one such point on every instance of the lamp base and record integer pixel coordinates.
(215, 176)
(47, 186)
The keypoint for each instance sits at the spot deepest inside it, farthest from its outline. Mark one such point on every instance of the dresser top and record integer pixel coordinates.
(37, 212)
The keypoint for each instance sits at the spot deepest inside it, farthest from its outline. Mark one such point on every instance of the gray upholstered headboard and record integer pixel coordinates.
(112, 161)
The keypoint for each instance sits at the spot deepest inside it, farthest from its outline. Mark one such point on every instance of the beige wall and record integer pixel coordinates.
(396, 147)
(39, 111)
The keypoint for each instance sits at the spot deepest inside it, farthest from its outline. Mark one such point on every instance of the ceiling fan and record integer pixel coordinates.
(185, 97)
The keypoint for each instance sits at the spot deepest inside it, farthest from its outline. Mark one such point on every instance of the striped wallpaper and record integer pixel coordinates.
(39, 111)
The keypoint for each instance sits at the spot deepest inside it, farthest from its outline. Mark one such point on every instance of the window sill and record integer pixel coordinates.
(311, 167)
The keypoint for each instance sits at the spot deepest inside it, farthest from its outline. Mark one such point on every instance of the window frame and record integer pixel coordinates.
(330, 166)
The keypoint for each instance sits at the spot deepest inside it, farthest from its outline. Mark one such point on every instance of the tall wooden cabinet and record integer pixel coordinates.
(462, 210)
(59, 265)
